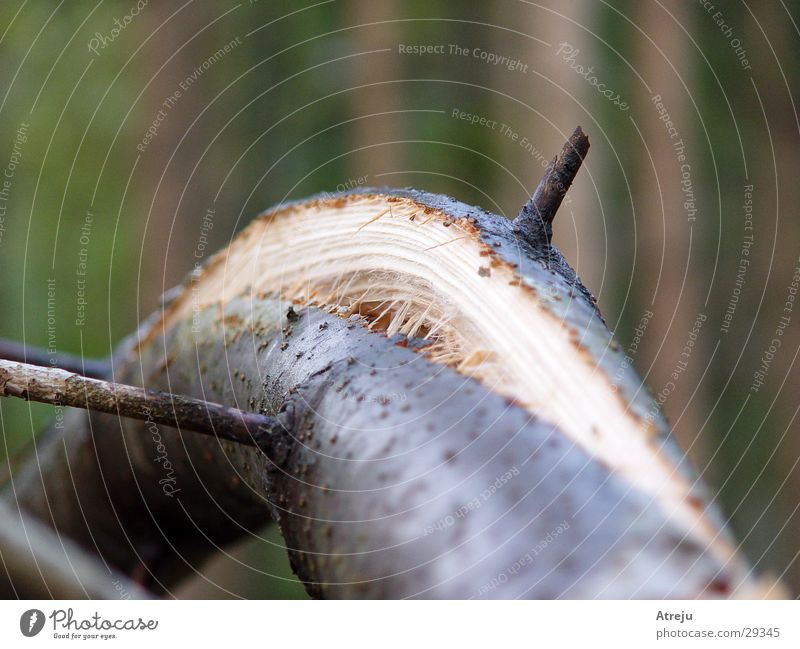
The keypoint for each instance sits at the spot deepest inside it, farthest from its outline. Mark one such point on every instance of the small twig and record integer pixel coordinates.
(11, 350)
(60, 387)
(535, 219)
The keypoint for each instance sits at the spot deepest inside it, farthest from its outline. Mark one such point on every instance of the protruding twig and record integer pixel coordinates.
(60, 387)
(11, 350)
(535, 220)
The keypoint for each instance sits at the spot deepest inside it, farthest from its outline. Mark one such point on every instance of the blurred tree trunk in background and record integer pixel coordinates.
(553, 100)
(670, 254)
(383, 93)
(168, 233)
(761, 460)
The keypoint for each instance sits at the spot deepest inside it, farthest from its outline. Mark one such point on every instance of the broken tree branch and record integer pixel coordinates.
(62, 388)
(449, 407)
(535, 219)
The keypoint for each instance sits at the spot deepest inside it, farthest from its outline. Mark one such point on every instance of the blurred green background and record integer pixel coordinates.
(252, 103)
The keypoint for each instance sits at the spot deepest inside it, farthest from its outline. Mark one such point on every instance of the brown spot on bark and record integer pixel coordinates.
(719, 587)
(695, 502)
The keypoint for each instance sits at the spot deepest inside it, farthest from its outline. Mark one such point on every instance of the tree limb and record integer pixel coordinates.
(36, 564)
(63, 388)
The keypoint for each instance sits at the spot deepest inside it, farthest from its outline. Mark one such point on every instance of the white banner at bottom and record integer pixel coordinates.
(293, 624)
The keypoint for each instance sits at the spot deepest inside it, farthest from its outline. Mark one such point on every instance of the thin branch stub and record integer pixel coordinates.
(535, 220)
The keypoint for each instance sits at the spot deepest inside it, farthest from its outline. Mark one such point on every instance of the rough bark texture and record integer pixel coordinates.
(61, 388)
(392, 475)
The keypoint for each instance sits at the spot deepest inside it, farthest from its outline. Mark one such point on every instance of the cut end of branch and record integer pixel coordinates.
(535, 219)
